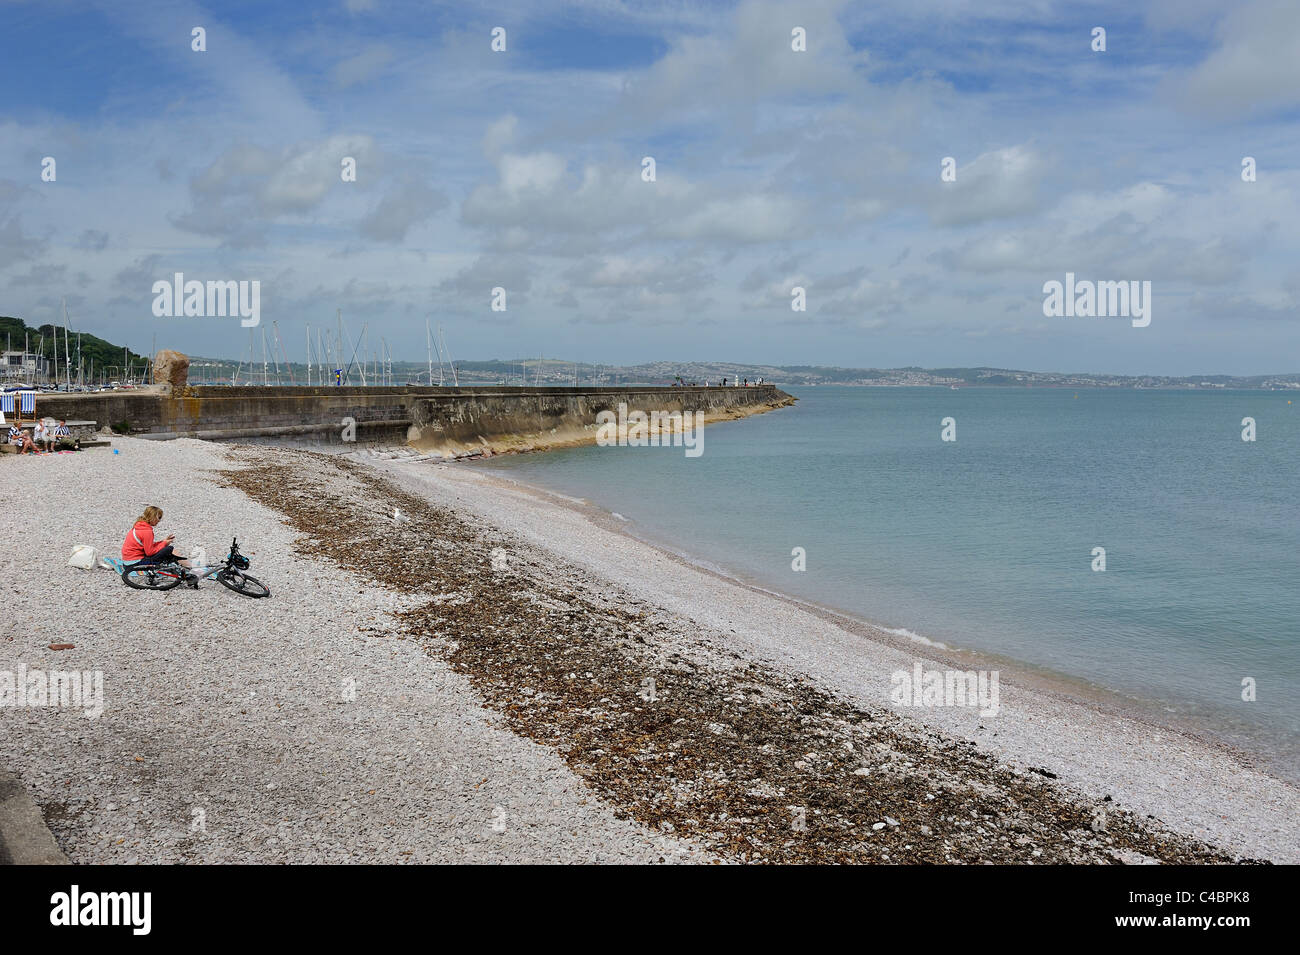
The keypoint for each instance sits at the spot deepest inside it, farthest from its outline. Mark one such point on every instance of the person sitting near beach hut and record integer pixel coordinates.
(41, 436)
(141, 548)
(63, 439)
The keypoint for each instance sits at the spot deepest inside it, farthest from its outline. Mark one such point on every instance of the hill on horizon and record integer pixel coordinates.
(40, 340)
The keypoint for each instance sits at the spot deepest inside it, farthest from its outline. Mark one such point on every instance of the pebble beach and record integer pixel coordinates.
(456, 668)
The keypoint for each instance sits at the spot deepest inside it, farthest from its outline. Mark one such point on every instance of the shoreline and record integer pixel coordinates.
(1050, 699)
(1040, 678)
(499, 646)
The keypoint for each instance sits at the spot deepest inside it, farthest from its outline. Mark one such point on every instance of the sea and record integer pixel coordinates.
(1128, 541)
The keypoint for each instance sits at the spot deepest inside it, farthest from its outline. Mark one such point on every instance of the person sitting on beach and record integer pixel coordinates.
(41, 436)
(20, 439)
(140, 548)
(63, 439)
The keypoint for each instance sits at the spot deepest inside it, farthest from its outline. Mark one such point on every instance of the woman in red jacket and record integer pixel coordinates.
(140, 546)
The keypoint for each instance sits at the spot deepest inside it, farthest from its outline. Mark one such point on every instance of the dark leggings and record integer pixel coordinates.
(164, 556)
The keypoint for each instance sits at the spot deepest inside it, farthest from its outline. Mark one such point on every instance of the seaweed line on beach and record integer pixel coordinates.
(669, 727)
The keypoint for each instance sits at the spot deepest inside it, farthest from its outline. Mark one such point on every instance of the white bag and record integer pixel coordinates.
(83, 556)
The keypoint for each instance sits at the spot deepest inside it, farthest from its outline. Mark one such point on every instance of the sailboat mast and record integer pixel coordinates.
(284, 352)
(428, 348)
(339, 343)
(67, 360)
(365, 342)
(438, 345)
(455, 379)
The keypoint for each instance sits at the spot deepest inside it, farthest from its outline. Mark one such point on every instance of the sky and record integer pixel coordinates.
(775, 168)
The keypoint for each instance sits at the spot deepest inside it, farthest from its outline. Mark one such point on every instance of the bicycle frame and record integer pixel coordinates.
(202, 573)
(232, 568)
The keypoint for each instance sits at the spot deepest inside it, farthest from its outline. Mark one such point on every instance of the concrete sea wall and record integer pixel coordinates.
(451, 421)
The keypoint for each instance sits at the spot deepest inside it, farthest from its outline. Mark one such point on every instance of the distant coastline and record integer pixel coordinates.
(31, 353)
(557, 372)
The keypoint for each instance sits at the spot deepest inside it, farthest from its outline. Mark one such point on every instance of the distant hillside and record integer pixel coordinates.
(40, 340)
(558, 371)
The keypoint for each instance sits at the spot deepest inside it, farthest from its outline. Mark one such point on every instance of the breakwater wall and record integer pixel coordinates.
(452, 421)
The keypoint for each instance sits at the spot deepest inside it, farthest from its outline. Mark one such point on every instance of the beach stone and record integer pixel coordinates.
(171, 368)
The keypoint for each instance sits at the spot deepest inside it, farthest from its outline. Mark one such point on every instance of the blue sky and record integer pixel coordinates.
(775, 168)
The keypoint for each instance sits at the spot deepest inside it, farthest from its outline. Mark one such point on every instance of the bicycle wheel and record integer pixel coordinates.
(242, 583)
(152, 577)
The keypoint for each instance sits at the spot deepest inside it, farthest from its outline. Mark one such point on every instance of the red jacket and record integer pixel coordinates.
(133, 551)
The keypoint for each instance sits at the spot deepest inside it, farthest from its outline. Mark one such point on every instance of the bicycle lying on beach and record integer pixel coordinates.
(229, 574)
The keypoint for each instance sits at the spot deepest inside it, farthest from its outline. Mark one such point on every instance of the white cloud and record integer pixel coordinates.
(996, 185)
(1256, 65)
(751, 218)
(248, 187)
(362, 67)
(409, 204)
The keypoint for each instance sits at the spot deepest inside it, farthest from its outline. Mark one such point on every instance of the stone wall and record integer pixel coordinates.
(452, 420)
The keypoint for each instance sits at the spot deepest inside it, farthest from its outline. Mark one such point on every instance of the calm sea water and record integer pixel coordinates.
(986, 543)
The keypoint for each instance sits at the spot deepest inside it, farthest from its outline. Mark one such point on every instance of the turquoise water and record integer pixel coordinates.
(986, 543)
